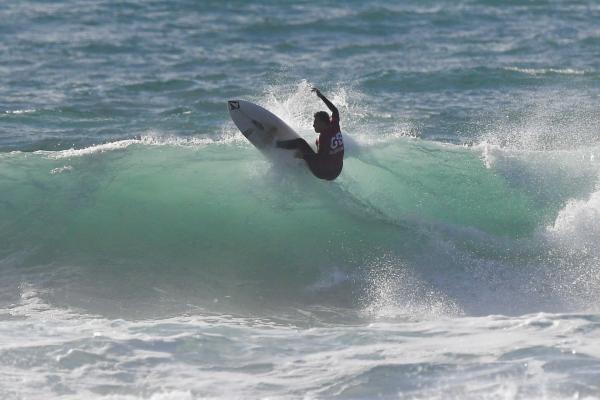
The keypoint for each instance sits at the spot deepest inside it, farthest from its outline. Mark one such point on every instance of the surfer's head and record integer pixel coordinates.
(321, 121)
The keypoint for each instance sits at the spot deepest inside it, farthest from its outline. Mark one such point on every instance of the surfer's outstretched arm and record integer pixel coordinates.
(334, 111)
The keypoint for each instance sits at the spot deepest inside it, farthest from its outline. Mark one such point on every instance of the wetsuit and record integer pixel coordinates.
(328, 161)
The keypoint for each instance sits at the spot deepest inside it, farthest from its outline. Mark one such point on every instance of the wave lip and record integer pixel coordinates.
(99, 148)
(150, 140)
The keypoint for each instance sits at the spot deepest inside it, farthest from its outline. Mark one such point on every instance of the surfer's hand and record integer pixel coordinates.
(316, 91)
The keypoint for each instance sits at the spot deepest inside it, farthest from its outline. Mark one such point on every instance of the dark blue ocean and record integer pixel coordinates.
(149, 251)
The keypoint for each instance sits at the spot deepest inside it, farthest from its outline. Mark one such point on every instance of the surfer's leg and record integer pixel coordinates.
(312, 159)
(287, 144)
(299, 144)
(315, 166)
(320, 170)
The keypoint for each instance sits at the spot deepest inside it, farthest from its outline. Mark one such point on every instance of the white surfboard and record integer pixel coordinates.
(260, 126)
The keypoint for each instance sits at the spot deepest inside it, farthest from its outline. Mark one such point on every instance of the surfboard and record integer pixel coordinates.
(261, 127)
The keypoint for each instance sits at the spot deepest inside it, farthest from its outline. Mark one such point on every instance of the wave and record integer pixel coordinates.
(410, 226)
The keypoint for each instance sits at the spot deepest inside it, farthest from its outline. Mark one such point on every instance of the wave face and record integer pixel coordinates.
(215, 223)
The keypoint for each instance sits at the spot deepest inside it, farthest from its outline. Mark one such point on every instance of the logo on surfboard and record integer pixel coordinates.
(234, 105)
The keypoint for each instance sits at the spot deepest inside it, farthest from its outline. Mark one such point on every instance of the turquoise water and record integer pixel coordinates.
(147, 250)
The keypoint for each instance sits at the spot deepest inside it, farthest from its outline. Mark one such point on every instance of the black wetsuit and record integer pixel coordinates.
(328, 162)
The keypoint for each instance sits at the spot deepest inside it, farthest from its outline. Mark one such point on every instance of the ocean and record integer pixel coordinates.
(149, 251)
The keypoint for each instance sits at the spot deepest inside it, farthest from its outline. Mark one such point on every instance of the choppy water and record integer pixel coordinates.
(147, 251)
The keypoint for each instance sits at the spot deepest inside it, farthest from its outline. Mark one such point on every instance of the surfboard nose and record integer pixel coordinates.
(233, 105)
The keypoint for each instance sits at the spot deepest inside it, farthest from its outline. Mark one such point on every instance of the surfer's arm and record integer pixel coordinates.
(334, 111)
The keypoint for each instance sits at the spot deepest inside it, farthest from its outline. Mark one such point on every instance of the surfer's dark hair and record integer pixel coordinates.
(322, 115)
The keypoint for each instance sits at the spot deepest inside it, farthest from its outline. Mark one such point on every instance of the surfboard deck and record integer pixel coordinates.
(261, 127)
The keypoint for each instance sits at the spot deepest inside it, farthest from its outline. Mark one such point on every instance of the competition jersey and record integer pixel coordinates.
(331, 145)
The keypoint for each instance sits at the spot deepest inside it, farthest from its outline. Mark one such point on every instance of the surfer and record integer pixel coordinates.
(328, 161)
